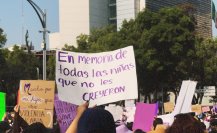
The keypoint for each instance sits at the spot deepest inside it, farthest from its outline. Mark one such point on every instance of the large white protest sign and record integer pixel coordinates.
(96, 77)
(183, 103)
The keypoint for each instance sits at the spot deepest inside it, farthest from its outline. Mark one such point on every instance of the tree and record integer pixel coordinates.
(20, 66)
(2, 38)
(51, 68)
(164, 45)
(205, 65)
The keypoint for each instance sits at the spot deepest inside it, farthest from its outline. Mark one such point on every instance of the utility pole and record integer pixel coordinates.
(42, 17)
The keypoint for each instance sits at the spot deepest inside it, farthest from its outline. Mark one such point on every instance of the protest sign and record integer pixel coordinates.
(18, 96)
(116, 111)
(123, 129)
(130, 113)
(129, 103)
(182, 104)
(144, 116)
(65, 113)
(214, 109)
(205, 108)
(36, 100)
(196, 108)
(186, 106)
(181, 97)
(168, 107)
(37, 115)
(96, 77)
(2, 105)
(209, 90)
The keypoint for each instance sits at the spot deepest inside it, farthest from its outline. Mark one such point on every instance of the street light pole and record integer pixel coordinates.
(42, 17)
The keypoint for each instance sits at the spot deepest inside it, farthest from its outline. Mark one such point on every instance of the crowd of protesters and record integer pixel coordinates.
(99, 120)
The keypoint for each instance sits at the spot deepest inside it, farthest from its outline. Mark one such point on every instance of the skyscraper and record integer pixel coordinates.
(80, 16)
(202, 12)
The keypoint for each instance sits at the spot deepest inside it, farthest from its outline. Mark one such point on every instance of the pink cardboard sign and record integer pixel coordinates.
(144, 116)
(205, 108)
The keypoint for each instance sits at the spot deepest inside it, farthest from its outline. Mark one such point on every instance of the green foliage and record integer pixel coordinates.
(51, 68)
(15, 66)
(2, 38)
(167, 49)
(164, 45)
(206, 62)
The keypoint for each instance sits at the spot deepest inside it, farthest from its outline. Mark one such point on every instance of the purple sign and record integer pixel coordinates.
(65, 113)
(214, 109)
(144, 116)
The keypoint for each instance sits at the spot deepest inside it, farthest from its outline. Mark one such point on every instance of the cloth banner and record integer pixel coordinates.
(144, 116)
(99, 78)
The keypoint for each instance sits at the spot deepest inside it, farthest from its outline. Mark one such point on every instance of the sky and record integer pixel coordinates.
(18, 16)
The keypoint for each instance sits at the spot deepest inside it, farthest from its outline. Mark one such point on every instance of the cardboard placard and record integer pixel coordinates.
(38, 115)
(168, 107)
(36, 100)
(196, 108)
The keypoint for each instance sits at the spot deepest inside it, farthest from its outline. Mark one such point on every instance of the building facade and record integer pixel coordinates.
(79, 17)
(126, 10)
(202, 12)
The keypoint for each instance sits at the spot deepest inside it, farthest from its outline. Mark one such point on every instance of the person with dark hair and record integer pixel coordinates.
(92, 120)
(36, 127)
(19, 123)
(139, 131)
(96, 120)
(213, 126)
(185, 123)
(4, 127)
(158, 126)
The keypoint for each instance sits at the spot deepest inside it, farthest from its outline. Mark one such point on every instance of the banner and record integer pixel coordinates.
(65, 113)
(144, 116)
(96, 77)
(2, 105)
(36, 100)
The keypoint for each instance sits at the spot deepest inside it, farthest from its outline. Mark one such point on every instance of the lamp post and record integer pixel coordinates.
(42, 17)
